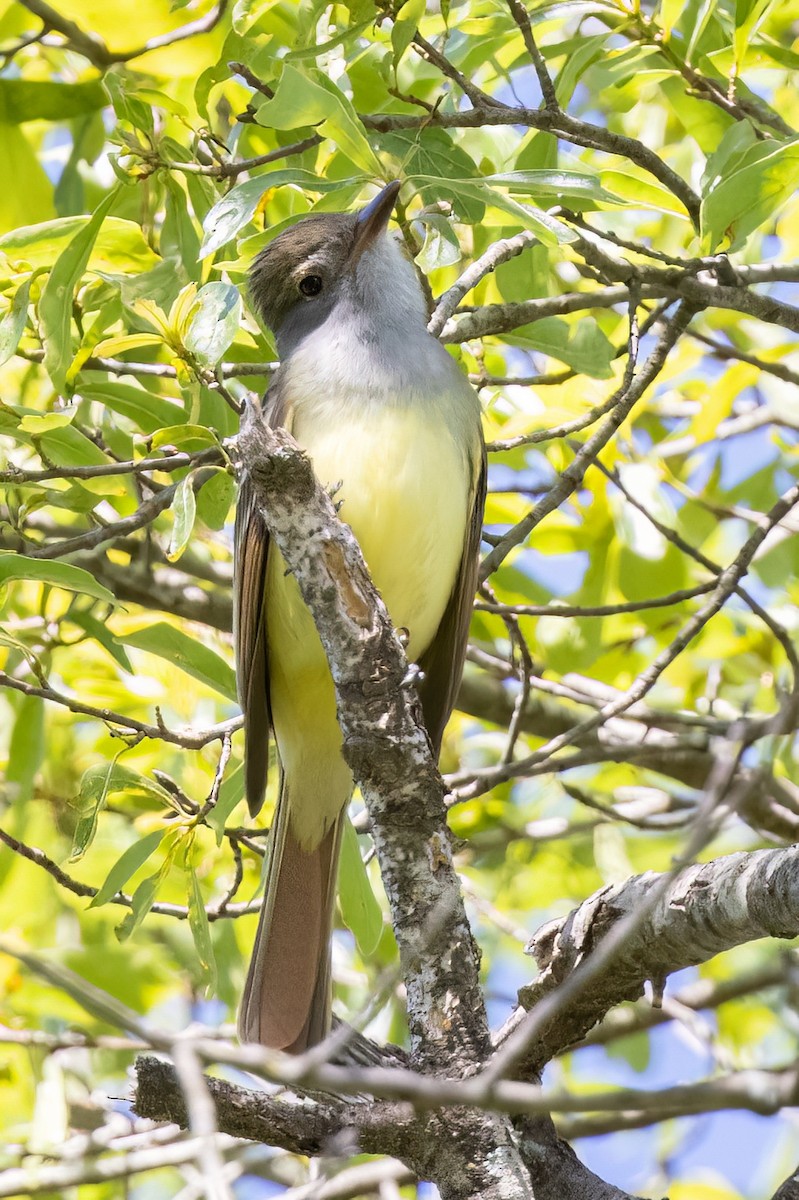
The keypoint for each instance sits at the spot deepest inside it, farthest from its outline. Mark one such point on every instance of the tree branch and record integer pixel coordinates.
(311, 1128)
(705, 911)
(118, 722)
(631, 391)
(390, 756)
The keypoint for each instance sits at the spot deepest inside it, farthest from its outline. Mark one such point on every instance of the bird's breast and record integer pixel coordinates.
(404, 490)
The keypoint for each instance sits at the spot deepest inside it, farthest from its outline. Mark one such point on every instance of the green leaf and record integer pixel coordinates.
(230, 794)
(668, 15)
(749, 16)
(13, 322)
(405, 25)
(184, 507)
(551, 231)
(238, 207)
(642, 193)
(559, 185)
(68, 447)
(434, 160)
(185, 437)
(704, 122)
(102, 780)
(582, 346)
(121, 343)
(146, 409)
(126, 865)
(310, 98)
(577, 62)
(635, 1049)
(38, 423)
(215, 323)
(215, 498)
(160, 99)
(359, 908)
(59, 574)
(180, 240)
(91, 801)
(55, 303)
(101, 634)
(127, 105)
(26, 749)
(41, 100)
(31, 199)
(778, 565)
(119, 246)
(349, 34)
(201, 931)
(729, 155)
(141, 903)
(441, 246)
(188, 653)
(764, 177)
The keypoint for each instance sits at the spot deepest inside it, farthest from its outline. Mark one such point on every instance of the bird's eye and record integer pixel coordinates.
(311, 285)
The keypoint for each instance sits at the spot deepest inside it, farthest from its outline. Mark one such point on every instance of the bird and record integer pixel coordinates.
(391, 423)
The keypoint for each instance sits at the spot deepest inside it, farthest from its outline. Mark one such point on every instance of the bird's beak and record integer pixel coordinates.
(373, 219)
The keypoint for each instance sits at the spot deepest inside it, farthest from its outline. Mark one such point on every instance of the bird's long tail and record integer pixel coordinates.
(287, 996)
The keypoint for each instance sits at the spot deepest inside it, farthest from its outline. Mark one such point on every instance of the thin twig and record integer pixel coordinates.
(118, 722)
(623, 401)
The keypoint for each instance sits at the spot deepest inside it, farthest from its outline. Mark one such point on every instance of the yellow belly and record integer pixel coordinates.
(404, 491)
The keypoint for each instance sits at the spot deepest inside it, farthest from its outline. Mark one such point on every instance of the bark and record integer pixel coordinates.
(704, 911)
(310, 1127)
(433, 1144)
(473, 1154)
(556, 1170)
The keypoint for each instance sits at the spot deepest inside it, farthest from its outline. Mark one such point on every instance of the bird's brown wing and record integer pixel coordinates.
(442, 661)
(251, 546)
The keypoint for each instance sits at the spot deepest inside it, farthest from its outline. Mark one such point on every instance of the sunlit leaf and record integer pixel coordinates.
(763, 178)
(13, 322)
(59, 574)
(216, 320)
(119, 246)
(359, 908)
(184, 437)
(188, 653)
(126, 865)
(237, 207)
(201, 932)
(405, 24)
(55, 304)
(184, 507)
(311, 99)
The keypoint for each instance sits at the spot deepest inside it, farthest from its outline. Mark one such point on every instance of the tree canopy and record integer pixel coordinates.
(601, 199)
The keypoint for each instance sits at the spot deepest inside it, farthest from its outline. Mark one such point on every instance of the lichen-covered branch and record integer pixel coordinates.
(310, 1127)
(390, 756)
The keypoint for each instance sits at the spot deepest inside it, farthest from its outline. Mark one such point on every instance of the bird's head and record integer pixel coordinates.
(329, 259)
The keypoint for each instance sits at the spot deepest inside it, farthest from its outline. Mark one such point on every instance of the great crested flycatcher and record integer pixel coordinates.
(382, 409)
